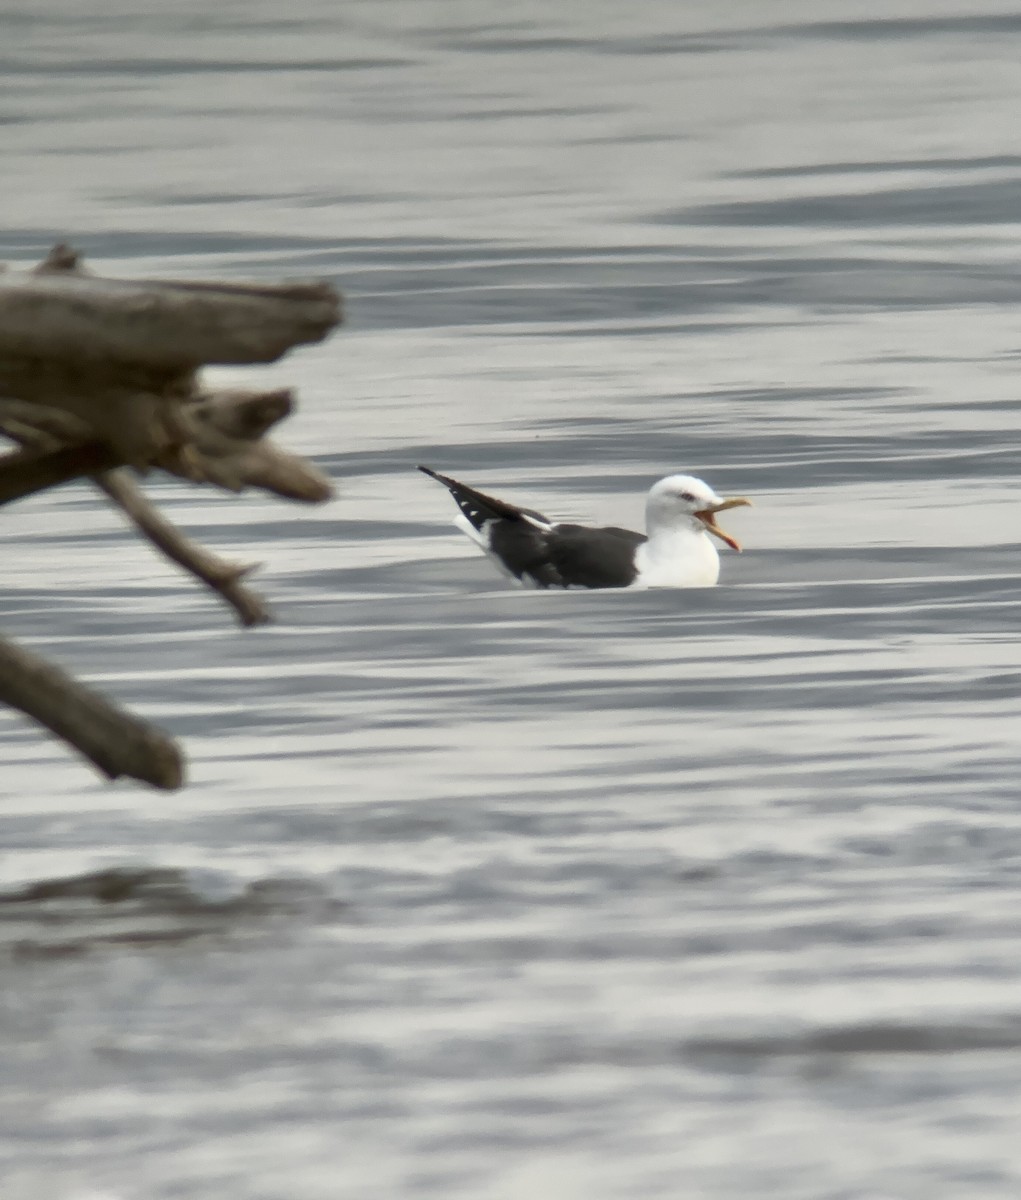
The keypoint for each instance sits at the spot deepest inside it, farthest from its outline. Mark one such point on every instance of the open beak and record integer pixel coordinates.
(708, 518)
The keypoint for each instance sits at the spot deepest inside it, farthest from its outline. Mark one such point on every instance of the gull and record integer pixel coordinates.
(676, 550)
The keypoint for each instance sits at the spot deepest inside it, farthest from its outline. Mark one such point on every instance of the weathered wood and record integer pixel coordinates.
(241, 415)
(163, 325)
(137, 412)
(44, 429)
(60, 257)
(228, 448)
(121, 357)
(218, 440)
(223, 577)
(24, 472)
(114, 740)
(40, 425)
(97, 375)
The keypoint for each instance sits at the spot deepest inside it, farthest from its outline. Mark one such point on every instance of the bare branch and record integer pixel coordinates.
(223, 577)
(116, 742)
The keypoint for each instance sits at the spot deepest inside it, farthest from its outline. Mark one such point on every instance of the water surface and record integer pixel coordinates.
(492, 894)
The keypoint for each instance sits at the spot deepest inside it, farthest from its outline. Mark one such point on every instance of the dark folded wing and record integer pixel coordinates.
(530, 546)
(524, 551)
(593, 558)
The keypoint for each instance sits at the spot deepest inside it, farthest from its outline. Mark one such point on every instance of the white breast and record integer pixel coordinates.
(679, 558)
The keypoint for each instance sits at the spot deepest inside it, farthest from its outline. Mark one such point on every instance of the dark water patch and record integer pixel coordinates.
(668, 325)
(972, 835)
(717, 41)
(986, 202)
(30, 246)
(671, 44)
(900, 28)
(515, 113)
(144, 906)
(512, 251)
(409, 283)
(851, 167)
(690, 439)
(638, 46)
(634, 290)
(633, 138)
(510, 44)
(880, 29)
(872, 1039)
(696, 692)
(144, 68)
(162, 20)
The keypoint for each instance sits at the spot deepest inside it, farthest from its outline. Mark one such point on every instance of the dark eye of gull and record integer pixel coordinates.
(687, 496)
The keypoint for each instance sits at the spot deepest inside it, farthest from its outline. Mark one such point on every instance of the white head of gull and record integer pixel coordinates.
(680, 514)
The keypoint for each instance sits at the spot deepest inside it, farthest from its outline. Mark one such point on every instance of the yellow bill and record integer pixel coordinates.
(708, 518)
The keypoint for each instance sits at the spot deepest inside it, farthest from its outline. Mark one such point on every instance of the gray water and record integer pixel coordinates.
(490, 894)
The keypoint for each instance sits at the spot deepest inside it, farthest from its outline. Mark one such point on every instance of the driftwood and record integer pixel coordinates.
(223, 577)
(164, 326)
(118, 743)
(218, 440)
(99, 379)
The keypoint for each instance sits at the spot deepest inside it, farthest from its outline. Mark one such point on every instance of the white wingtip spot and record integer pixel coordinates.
(479, 536)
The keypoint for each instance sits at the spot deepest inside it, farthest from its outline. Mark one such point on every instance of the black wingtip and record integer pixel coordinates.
(444, 479)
